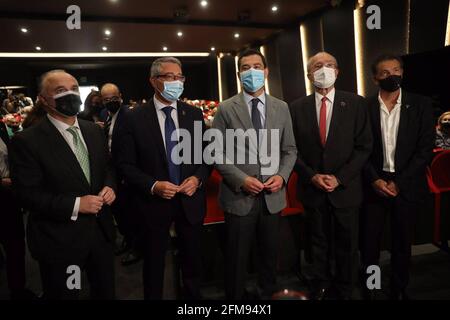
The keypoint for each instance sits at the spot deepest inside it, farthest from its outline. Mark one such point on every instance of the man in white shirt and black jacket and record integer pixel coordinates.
(403, 134)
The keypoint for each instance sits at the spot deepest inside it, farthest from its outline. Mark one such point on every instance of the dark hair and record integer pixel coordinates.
(385, 57)
(251, 52)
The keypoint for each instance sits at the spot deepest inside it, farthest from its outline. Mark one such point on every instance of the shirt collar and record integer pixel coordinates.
(248, 98)
(61, 126)
(330, 96)
(159, 105)
(383, 106)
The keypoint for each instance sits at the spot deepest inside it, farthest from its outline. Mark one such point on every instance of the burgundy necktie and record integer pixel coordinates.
(323, 121)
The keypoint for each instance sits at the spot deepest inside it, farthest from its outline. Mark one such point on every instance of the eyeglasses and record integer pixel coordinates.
(171, 77)
(320, 65)
(106, 100)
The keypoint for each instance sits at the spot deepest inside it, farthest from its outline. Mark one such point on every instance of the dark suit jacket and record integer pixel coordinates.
(415, 143)
(116, 130)
(142, 161)
(346, 151)
(47, 178)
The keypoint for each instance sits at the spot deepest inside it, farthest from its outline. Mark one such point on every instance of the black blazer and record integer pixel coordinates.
(347, 149)
(415, 143)
(117, 125)
(47, 178)
(142, 161)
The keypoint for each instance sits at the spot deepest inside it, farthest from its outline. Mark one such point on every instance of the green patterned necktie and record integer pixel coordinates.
(81, 152)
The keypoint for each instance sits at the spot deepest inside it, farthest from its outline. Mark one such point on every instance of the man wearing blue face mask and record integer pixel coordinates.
(251, 198)
(165, 191)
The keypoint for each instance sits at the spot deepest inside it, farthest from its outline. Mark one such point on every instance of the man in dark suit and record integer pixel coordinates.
(60, 172)
(165, 190)
(333, 139)
(403, 133)
(12, 232)
(126, 219)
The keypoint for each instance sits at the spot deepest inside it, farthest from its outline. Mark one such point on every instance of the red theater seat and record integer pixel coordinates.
(438, 176)
(293, 205)
(213, 212)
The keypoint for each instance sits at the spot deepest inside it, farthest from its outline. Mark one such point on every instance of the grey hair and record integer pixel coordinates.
(156, 65)
(45, 76)
(310, 61)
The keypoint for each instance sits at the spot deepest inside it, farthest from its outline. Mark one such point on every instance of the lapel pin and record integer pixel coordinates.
(407, 106)
(183, 113)
(343, 104)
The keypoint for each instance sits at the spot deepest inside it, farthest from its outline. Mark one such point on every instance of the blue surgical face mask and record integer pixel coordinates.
(172, 90)
(252, 80)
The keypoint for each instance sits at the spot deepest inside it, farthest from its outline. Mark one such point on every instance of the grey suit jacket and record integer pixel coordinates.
(233, 114)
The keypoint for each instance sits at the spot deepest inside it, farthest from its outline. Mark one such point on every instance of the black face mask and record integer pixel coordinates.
(391, 83)
(68, 104)
(97, 107)
(113, 106)
(445, 126)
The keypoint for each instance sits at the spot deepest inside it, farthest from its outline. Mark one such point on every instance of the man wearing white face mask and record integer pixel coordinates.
(165, 192)
(334, 141)
(252, 199)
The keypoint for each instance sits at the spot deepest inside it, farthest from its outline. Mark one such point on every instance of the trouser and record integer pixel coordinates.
(241, 232)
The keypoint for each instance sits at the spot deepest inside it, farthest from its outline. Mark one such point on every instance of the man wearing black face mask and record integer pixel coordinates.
(403, 133)
(60, 171)
(122, 210)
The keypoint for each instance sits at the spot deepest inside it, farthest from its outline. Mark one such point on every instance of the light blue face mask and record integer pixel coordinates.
(252, 80)
(172, 90)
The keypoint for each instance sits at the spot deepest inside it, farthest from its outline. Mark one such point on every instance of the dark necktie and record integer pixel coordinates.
(256, 117)
(107, 126)
(169, 127)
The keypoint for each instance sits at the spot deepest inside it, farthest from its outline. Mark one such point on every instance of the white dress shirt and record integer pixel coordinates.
(389, 130)
(111, 129)
(62, 128)
(4, 164)
(329, 103)
(162, 120)
(261, 106)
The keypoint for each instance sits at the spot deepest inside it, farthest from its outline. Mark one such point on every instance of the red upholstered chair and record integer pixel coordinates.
(438, 176)
(293, 205)
(213, 212)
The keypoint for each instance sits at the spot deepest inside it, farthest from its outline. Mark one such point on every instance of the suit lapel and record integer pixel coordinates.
(403, 125)
(154, 128)
(311, 112)
(63, 152)
(339, 105)
(241, 110)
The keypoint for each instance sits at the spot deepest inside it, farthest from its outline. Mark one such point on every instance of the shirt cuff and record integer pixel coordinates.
(76, 209)
(153, 186)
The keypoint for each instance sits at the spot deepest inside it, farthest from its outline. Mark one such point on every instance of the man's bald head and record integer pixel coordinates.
(54, 79)
(109, 88)
(319, 60)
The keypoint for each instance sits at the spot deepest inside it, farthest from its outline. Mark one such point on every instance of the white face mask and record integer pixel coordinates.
(325, 77)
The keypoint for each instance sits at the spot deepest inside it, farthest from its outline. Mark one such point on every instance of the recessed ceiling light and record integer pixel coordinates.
(24, 30)
(213, 48)
(107, 32)
(38, 48)
(105, 48)
(274, 8)
(237, 35)
(180, 34)
(204, 3)
(164, 48)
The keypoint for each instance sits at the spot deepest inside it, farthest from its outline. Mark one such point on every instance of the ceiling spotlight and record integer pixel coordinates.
(107, 32)
(213, 48)
(180, 34)
(38, 48)
(24, 30)
(204, 3)
(274, 8)
(104, 48)
(237, 35)
(164, 48)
